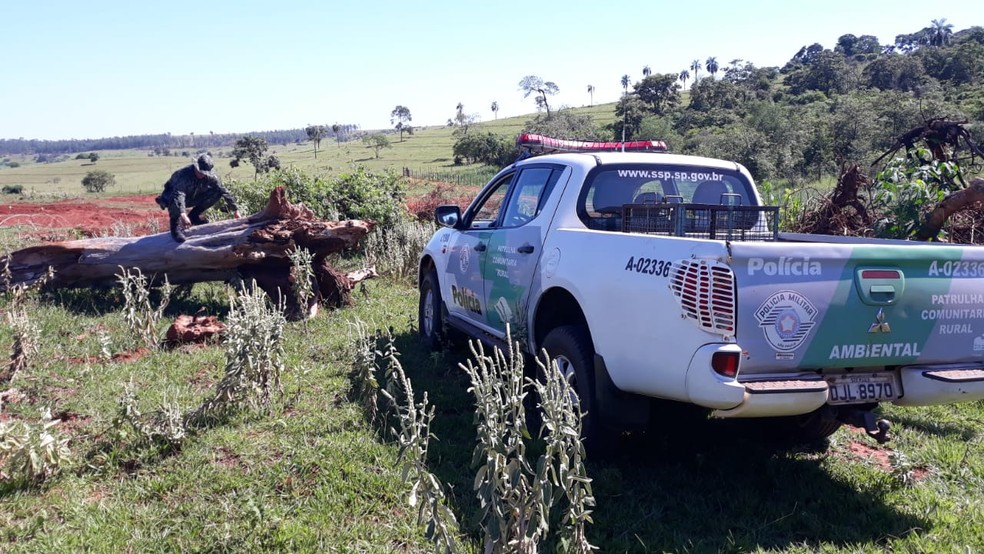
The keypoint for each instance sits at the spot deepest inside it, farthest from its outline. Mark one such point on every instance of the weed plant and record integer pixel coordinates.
(254, 357)
(32, 452)
(564, 455)
(164, 426)
(394, 251)
(517, 496)
(365, 368)
(140, 314)
(303, 279)
(27, 335)
(413, 435)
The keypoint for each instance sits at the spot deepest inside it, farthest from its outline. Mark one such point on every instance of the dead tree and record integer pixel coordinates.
(255, 247)
(944, 138)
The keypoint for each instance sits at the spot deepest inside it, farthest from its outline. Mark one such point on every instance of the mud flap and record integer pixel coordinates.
(620, 409)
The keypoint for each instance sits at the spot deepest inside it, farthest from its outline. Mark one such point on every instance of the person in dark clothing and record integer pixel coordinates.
(197, 187)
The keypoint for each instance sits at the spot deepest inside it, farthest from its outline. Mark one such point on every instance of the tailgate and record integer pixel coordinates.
(814, 305)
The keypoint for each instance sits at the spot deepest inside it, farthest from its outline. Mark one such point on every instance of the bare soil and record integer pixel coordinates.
(68, 219)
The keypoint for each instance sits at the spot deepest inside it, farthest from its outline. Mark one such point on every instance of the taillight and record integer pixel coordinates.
(725, 363)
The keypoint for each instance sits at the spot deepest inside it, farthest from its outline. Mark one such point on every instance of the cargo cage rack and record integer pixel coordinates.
(706, 221)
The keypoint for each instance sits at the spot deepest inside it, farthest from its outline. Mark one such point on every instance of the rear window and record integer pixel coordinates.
(608, 188)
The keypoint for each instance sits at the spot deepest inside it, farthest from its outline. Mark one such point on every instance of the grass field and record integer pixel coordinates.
(428, 149)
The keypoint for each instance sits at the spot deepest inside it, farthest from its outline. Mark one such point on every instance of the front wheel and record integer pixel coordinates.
(570, 347)
(430, 321)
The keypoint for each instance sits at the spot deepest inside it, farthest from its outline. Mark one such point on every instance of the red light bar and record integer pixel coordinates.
(540, 143)
(880, 274)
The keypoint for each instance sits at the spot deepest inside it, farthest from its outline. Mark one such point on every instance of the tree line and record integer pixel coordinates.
(823, 108)
(340, 132)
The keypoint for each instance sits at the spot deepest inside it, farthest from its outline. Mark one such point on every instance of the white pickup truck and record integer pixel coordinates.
(651, 275)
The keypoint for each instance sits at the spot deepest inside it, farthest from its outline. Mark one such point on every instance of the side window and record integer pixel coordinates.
(486, 212)
(528, 194)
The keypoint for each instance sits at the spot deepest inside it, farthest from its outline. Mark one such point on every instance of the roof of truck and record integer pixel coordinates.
(634, 158)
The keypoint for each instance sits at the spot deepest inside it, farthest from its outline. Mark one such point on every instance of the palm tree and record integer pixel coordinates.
(625, 116)
(684, 75)
(646, 72)
(495, 109)
(711, 65)
(591, 92)
(695, 65)
(940, 33)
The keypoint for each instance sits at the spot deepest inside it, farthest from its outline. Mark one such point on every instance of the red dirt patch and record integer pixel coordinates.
(119, 357)
(130, 356)
(877, 456)
(192, 329)
(89, 218)
(71, 422)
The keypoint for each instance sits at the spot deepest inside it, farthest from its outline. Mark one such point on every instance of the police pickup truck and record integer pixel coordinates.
(649, 275)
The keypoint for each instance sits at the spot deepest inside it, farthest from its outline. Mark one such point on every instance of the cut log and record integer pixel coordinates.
(256, 247)
(963, 199)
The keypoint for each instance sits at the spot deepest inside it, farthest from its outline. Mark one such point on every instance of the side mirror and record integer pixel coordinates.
(447, 216)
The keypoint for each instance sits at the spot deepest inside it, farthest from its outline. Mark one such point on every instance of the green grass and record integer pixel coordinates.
(314, 475)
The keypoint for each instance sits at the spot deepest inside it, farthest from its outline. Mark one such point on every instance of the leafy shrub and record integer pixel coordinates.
(487, 148)
(360, 194)
(98, 180)
(13, 189)
(789, 200)
(908, 188)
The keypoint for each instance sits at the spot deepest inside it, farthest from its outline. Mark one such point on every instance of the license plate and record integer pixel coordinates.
(862, 388)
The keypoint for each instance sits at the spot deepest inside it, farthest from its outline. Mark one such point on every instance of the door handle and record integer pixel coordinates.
(480, 247)
(525, 249)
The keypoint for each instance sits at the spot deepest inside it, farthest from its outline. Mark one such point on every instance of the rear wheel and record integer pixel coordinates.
(570, 347)
(430, 320)
(814, 426)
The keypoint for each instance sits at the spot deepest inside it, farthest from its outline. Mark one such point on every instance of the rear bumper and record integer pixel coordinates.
(928, 385)
(788, 395)
(779, 397)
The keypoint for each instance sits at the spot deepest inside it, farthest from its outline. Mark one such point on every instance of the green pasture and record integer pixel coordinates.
(428, 150)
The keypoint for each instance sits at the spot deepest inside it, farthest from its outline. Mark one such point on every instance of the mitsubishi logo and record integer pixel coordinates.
(880, 325)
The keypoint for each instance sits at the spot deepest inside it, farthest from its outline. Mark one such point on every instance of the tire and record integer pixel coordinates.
(430, 319)
(570, 347)
(807, 428)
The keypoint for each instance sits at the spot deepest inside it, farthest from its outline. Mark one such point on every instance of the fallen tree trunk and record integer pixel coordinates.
(254, 247)
(963, 199)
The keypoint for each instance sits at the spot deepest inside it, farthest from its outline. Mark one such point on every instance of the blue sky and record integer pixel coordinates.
(106, 68)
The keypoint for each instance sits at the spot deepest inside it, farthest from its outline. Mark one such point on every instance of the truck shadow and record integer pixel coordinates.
(686, 486)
